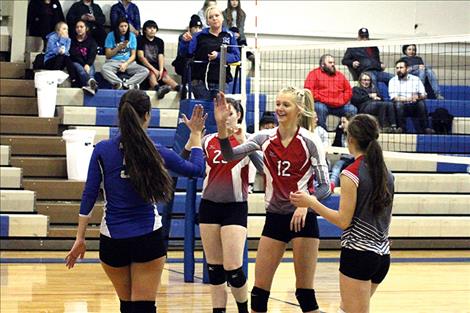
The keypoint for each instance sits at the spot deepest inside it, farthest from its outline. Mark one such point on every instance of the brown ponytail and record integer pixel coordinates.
(144, 164)
(365, 129)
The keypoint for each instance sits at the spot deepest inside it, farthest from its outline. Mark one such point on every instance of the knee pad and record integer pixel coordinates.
(144, 306)
(259, 299)
(236, 278)
(125, 306)
(216, 274)
(306, 299)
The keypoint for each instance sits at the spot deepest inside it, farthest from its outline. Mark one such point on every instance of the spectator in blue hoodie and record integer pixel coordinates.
(128, 10)
(57, 56)
(205, 48)
(181, 61)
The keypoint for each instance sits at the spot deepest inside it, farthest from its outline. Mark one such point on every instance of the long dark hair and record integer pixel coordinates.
(240, 13)
(364, 128)
(117, 33)
(143, 162)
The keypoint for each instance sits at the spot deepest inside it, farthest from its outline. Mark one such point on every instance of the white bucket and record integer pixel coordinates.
(79, 147)
(46, 84)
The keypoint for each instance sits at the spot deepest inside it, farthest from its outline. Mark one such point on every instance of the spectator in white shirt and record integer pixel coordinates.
(407, 93)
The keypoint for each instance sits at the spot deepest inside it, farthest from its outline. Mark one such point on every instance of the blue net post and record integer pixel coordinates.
(189, 230)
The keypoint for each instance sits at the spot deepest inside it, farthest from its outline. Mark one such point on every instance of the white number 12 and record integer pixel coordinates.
(282, 167)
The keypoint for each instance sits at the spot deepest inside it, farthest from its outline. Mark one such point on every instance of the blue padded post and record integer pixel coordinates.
(189, 229)
(205, 272)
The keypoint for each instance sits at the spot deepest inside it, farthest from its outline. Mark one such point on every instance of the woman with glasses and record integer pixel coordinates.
(367, 99)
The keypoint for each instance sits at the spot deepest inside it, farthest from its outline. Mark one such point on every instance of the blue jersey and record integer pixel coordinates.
(126, 214)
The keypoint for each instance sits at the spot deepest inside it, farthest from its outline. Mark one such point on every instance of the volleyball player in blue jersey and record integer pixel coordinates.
(133, 171)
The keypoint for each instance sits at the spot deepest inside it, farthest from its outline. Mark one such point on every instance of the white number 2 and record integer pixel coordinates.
(218, 157)
(282, 167)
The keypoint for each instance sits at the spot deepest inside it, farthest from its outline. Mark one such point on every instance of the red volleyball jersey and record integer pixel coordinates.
(224, 181)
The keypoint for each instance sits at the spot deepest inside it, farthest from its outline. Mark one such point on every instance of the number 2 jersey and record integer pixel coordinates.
(224, 181)
(287, 169)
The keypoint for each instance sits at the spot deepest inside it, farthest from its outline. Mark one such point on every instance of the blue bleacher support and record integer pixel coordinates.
(109, 117)
(163, 136)
(455, 92)
(4, 225)
(103, 98)
(458, 108)
(443, 143)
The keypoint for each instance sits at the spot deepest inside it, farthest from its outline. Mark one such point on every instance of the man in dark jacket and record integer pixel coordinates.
(43, 15)
(92, 14)
(361, 59)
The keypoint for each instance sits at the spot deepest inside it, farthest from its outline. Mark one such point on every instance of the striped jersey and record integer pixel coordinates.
(287, 169)
(225, 181)
(367, 231)
(126, 214)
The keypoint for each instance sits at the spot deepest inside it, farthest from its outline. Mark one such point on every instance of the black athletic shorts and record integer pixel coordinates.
(364, 265)
(277, 226)
(123, 252)
(231, 213)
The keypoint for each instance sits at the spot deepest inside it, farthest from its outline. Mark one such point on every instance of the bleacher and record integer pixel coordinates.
(39, 205)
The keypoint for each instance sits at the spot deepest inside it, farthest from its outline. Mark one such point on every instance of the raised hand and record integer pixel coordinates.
(198, 119)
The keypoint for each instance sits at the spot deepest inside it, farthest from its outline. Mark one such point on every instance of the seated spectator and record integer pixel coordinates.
(408, 94)
(361, 59)
(91, 13)
(330, 90)
(417, 67)
(150, 53)
(345, 159)
(121, 45)
(367, 99)
(202, 12)
(129, 11)
(180, 63)
(83, 54)
(43, 16)
(205, 49)
(57, 55)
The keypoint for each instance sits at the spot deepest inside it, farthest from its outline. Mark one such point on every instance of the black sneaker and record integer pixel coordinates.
(162, 91)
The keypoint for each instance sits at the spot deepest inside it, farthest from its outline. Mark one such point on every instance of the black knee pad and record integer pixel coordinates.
(144, 307)
(216, 274)
(306, 299)
(259, 299)
(236, 278)
(125, 306)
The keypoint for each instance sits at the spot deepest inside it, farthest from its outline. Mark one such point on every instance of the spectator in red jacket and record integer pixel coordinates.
(330, 89)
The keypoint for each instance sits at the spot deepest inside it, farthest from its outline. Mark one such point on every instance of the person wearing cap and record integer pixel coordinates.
(150, 53)
(204, 48)
(330, 89)
(362, 59)
(181, 61)
(128, 10)
(418, 68)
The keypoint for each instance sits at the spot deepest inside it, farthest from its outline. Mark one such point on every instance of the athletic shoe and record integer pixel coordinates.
(162, 91)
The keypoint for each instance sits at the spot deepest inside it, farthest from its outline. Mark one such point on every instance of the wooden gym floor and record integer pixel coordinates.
(418, 281)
